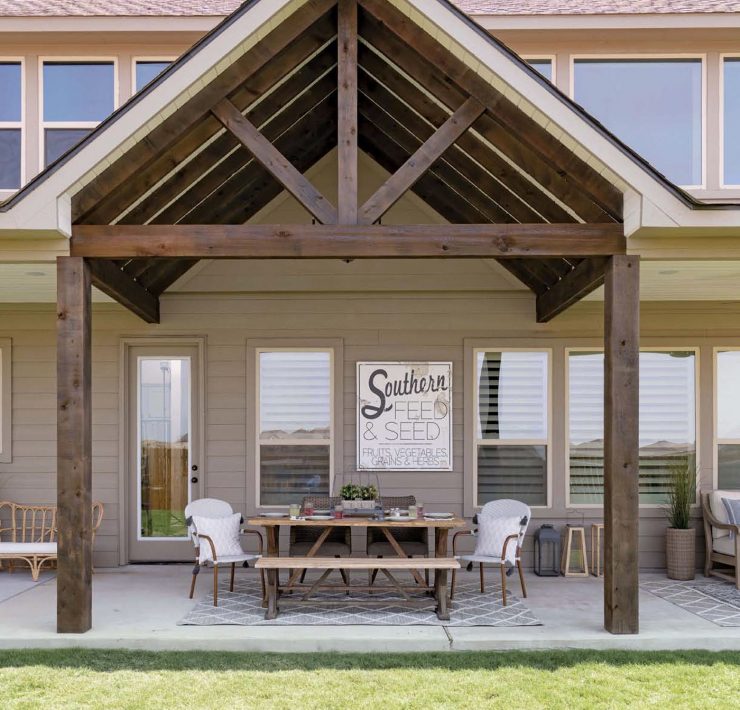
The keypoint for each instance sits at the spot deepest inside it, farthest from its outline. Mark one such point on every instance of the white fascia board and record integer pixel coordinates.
(47, 208)
(631, 21)
(557, 116)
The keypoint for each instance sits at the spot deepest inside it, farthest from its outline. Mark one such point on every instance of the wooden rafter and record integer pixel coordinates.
(503, 241)
(114, 282)
(347, 184)
(397, 184)
(585, 278)
(275, 162)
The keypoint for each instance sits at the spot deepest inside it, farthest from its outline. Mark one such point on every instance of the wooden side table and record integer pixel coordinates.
(574, 534)
(596, 568)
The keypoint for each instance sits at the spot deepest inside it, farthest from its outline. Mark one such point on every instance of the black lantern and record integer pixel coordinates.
(547, 552)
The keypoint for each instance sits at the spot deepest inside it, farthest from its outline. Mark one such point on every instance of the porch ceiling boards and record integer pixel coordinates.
(398, 95)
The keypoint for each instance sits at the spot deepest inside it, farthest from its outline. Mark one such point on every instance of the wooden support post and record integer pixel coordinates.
(621, 444)
(347, 112)
(74, 446)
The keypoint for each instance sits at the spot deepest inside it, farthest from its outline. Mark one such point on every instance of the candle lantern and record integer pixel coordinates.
(547, 552)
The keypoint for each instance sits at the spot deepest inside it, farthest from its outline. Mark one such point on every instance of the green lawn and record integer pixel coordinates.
(567, 679)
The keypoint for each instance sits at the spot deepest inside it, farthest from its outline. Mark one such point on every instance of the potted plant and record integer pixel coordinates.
(680, 537)
(358, 497)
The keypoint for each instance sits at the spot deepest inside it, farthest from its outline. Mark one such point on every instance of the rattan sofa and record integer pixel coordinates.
(722, 538)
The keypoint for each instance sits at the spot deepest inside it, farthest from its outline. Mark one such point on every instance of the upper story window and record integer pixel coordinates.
(148, 69)
(76, 97)
(731, 121)
(512, 422)
(667, 422)
(543, 66)
(653, 105)
(11, 117)
(727, 435)
(295, 432)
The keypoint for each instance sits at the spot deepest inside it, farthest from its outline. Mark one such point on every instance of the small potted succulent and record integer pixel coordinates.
(358, 497)
(680, 536)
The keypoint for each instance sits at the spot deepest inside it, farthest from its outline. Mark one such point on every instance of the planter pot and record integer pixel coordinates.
(358, 504)
(680, 553)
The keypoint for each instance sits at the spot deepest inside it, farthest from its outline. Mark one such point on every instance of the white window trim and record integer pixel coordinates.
(722, 184)
(43, 125)
(552, 58)
(477, 441)
(258, 442)
(135, 60)
(16, 125)
(716, 440)
(6, 401)
(697, 419)
(702, 57)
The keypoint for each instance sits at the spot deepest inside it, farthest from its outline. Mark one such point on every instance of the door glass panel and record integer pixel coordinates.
(164, 446)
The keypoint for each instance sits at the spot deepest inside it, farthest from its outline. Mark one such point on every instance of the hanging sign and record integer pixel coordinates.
(404, 416)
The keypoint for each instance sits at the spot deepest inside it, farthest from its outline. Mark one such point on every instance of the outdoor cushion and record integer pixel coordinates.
(724, 546)
(492, 533)
(732, 506)
(28, 548)
(719, 510)
(225, 535)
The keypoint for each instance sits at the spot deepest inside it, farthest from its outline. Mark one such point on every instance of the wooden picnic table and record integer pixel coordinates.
(441, 529)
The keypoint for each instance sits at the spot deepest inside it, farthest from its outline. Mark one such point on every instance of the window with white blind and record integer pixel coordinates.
(667, 422)
(5, 405)
(294, 424)
(727, 368)
(512, 394)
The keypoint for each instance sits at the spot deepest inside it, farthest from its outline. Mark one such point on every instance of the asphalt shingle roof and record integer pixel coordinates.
(113, 8)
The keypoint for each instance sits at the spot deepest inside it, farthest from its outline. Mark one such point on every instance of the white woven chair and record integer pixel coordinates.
(501, 522)
(214, 508)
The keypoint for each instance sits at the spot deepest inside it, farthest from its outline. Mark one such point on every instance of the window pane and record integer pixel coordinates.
(60, 140)
(728, 464)
(543, 66)
(728, 394)
(732, 121)
(287, 473)
(295, 395)
(164, 436)
(653, 105)
(146, 71)
(78, 92)
(10, 91)
(512, 395)
(518, 472)
(667, 422)
(10, 159)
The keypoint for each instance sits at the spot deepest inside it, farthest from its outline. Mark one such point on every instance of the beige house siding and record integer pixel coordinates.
(391, 326)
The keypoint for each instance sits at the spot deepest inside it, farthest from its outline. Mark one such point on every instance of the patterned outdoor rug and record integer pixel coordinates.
(469, 608)
(711, 599)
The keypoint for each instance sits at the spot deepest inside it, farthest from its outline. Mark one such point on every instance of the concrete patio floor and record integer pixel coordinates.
(138, 607)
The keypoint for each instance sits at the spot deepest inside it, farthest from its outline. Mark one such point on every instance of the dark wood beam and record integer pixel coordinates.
(74, 446)
(279, 108)
(504, 241)
(571, 288)
(162, 274)
(431, 150)
(514, 133)
(347, 112)
(621, 444)
(275, 162)
(189, 127)
(121, 287)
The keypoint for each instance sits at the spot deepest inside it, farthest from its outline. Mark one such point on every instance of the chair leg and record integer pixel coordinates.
(303, 576)
(372, 575)
(521, 578)
(231, 583)
(482, 582)
(503, 582)
(215, 585)
(196, 570)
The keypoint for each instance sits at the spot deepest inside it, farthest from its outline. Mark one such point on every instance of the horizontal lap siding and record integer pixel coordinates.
(372, 326)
